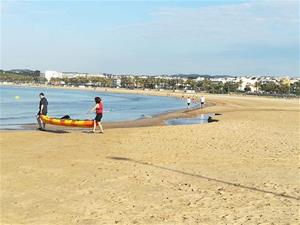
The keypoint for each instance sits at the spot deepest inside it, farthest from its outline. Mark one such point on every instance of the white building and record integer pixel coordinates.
(294, 79)
(117, 82)
(95, 75)
(199, 79)
(73, 74)
(225, 79)
(50, 74)
(248, 82)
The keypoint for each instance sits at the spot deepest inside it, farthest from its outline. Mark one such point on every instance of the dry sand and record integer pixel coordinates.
(243, 169)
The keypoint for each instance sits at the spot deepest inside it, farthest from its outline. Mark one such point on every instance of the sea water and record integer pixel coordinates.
(203, 118)
(19, 105)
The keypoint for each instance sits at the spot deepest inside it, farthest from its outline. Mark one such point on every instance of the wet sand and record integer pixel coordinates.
(243, 169)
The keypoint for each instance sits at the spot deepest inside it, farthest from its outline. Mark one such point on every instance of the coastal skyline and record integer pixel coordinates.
(157, 37)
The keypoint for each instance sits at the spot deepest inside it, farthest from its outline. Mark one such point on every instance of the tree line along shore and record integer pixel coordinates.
(190, 85)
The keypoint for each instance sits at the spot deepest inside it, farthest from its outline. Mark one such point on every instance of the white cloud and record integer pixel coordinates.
(269, 22)
(255, 37)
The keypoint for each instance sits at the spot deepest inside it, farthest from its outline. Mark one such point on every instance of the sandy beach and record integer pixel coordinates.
(243, 169)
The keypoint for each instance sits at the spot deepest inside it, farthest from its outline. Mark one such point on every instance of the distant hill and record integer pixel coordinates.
(22, 72)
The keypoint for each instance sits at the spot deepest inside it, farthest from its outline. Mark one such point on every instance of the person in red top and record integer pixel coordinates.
(99, 113)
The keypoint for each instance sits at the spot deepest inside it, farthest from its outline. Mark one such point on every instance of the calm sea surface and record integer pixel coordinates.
(15, 111)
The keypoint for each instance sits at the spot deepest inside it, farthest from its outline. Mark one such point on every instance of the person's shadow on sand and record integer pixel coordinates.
(89, 132)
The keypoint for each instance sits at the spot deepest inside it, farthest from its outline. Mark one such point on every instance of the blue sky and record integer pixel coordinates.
(152, 37)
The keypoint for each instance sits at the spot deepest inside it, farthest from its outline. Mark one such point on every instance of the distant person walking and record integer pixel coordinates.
(188, 102)
(43, 110)
(98, 108)
(202, 101)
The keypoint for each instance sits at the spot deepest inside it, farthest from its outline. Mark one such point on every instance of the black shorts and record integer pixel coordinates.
(43, 113)
(98, 117)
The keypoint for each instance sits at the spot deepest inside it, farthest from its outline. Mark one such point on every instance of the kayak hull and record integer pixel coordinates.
(67, 123)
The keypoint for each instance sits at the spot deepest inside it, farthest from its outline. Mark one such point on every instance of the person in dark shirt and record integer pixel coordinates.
(43, 110)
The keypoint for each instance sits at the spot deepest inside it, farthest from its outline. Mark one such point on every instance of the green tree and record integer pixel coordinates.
(295, 88)
(127, 82)
(284, 87)
(257, 85)
(231, 87)
(17, 77)
(270, 87)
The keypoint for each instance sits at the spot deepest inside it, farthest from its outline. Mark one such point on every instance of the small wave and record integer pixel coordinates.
(143, 116)
(17, 117)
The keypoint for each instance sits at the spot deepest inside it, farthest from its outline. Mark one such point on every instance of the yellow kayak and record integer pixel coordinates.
(67, 122)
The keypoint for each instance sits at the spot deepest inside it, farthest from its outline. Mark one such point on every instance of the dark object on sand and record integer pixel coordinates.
(66, 117)
(210, 119)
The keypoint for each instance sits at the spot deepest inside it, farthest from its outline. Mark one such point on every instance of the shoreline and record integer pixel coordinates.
(155, 120)
(215, 104)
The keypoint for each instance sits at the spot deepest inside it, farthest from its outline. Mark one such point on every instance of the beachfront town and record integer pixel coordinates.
(249, 84)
